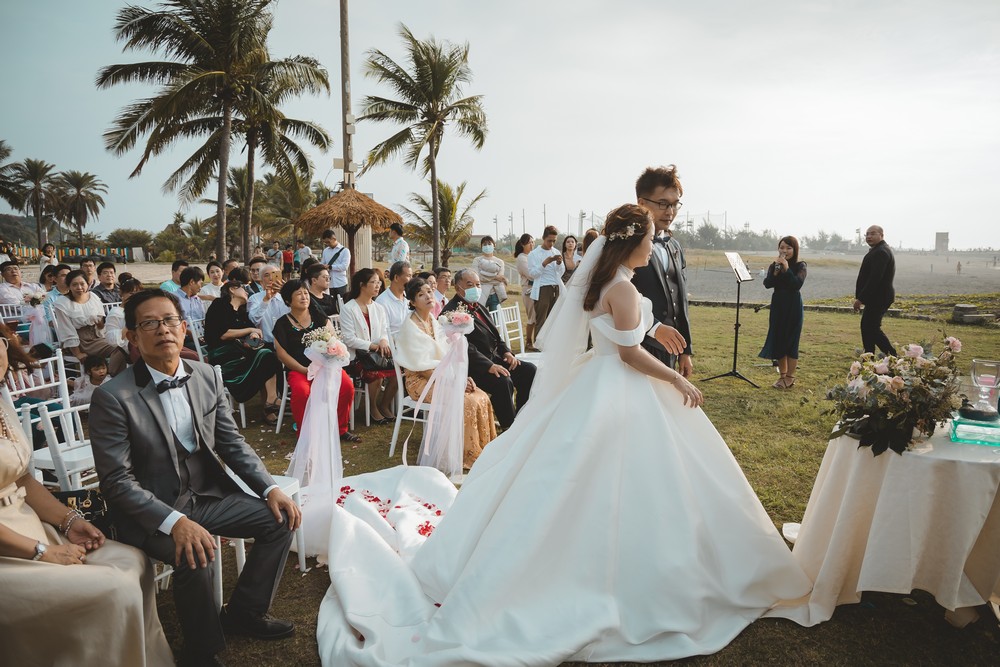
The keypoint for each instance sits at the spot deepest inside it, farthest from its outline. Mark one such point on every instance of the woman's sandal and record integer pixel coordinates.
(780, 384)
(350, 437)
(789, 385)
(271, 411)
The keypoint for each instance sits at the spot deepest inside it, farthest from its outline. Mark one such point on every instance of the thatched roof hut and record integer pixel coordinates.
(350, 210)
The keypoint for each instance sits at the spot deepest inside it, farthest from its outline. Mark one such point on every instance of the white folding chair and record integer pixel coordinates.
(510, 326)
(197, 330)
(71, 363)
(285, 400)
(71, 458)
(233, 405)
(109, 306)
(290, 486)
(406, 407)
(47, 382)
(12, 313)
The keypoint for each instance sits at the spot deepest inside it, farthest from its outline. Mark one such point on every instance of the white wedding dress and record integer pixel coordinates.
(609, 523)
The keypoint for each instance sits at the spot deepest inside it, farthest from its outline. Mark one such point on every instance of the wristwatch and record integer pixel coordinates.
(40, 550)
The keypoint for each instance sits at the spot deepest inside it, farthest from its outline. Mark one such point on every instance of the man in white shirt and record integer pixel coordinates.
(545, 266)
(13, 290)
(393, 300)
(302, 253)
(274, 254)
(400, 251)
(338, 258)
(266, 306)
(174, 417)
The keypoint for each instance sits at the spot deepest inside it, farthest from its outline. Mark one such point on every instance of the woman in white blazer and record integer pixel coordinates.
(364, 327)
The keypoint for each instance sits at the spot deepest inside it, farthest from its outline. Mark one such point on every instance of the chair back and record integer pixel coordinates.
(197, 330)
(70, 457)
(48, 382)
(109, 306)
(12, 312)
(340, 303)
(510, 326)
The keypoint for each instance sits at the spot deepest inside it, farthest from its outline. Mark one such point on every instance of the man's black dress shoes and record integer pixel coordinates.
(238, 622)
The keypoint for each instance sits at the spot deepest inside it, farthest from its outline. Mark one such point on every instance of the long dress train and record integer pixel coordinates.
(608, 523)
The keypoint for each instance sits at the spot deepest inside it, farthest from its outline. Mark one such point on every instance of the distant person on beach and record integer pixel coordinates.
(958, 268)
(786, 275)
(874, 291)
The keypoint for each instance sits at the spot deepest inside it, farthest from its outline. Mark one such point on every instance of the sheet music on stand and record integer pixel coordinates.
(739, 267)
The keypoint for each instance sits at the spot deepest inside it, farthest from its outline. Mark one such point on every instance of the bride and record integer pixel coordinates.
(609, 523)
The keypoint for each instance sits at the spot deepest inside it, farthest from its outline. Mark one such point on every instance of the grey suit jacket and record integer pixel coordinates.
(651, 282)
(134, 449)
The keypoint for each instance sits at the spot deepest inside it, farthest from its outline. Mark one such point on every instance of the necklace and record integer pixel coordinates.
(297, 324)
(426, 326)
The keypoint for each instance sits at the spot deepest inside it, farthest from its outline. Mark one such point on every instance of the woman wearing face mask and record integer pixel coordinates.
(490, 269)
(525, 245)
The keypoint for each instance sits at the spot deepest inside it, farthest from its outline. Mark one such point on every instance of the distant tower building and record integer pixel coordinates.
(941, 242)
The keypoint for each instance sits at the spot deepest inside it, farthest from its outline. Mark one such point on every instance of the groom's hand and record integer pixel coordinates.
(670, 338)
(684, 365)
(192, 542)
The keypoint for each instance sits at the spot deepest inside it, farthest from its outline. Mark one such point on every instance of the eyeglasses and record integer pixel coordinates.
(663, 204)
(171, 322)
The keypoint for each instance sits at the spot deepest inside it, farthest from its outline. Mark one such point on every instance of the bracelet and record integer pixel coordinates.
(75, 514)
(66, 516)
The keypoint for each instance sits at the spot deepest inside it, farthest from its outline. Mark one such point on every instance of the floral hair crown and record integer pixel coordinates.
(624, 233)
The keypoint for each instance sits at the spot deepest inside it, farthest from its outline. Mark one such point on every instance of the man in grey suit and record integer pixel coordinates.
(161, 432)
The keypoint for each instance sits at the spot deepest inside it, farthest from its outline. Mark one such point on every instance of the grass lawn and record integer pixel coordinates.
(778, 437)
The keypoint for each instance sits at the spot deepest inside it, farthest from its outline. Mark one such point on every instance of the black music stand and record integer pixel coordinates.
(742, 276)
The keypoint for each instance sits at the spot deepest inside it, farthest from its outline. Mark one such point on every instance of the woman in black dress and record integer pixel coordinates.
(317, 280)
(237, 346)
(786, 275)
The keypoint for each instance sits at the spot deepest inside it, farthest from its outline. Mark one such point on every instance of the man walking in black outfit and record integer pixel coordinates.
(874, 291)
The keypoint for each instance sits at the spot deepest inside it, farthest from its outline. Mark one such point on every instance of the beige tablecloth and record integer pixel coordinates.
(928, 520)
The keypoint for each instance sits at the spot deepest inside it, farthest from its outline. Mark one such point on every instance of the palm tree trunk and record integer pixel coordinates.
(351, 231)
(220, 215)
(248, 205)
(435, 219)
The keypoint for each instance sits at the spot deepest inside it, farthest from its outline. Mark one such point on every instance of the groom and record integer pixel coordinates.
(162, 432)
(662, 281)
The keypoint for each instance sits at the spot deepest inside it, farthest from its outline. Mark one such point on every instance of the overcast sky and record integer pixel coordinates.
(794, 116)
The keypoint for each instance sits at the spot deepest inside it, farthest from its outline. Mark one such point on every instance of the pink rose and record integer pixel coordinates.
(954, 344)
(897, 383)
(882, 367)
(913, 350)
(855, 369)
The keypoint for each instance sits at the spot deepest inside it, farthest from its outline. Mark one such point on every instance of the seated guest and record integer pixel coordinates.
(47, 278)
(419, 348)
(167, 438)
(95, 373)
(228, 266)
(492, 365)
(443, 277)
(288, 333)
(106, 287)
(210, 290)
(393, 299)
(192, 279)
(241, 275)
(235, 345)
(266, 306)
(89, 267)
(317, 280)
(256, 266)
(13, 290)
(114, 322)
(174, 283)
(363, 328)
(80, 324)
(42, 617)
(429, 278)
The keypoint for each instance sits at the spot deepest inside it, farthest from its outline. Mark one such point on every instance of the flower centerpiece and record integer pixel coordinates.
(34, 299)
(457, 321)
(324, 341)
(886, 401)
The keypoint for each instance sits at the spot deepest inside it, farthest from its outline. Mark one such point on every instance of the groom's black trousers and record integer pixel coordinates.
(501, 390)
(236, 515)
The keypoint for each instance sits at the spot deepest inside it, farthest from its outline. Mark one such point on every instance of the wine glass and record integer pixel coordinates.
(985, 374)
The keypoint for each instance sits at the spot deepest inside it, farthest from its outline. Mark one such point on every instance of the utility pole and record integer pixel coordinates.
(510, 219)
(522, 222)
(583, 216)
(345, 98)
(545, 220)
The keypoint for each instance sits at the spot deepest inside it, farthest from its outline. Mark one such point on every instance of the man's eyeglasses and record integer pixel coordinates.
(171, 322)
(663, 204)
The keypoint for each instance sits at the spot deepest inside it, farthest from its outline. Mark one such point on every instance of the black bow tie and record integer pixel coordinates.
(662, 240)
(171, 383)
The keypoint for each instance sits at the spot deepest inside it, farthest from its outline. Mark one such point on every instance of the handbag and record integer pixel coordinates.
(373, 361)
(92, 505)
(250, 343)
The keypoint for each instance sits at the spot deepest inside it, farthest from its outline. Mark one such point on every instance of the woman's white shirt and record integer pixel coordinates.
(354, 330)
(72, 316)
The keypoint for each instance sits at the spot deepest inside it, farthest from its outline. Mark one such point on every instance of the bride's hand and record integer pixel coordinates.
(692, 395)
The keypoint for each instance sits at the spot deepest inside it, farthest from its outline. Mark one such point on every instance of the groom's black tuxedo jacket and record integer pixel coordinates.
(878, 269)
(651, 282)
(486, 346)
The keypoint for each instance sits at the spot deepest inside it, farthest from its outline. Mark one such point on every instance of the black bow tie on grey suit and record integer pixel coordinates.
(171, 383)
(662, 240)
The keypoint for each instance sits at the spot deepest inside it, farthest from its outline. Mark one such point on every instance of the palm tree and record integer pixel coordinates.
(215, 47)
(265, 127)
(285, 202)
(80, 194)
(236, 201)
(38, 193)
(9, 190)
(199, 232)
(430, 97)
(455, 223)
